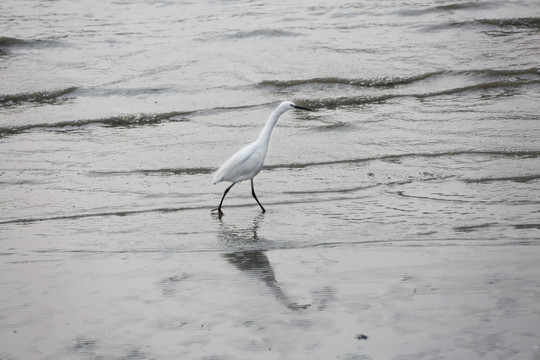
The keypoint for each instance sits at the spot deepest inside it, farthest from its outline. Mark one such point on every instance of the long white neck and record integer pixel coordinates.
(264, 136)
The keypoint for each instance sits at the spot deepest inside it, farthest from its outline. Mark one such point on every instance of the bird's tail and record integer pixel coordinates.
(218, 176)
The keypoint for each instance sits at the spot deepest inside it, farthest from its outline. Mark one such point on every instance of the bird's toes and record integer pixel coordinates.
(220, 213)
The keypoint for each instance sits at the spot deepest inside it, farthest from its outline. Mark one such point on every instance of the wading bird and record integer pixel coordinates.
(248, 161)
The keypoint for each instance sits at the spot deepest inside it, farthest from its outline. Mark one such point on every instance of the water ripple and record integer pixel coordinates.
(40, 97)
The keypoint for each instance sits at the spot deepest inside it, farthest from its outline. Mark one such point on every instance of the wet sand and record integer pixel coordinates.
(246, 298)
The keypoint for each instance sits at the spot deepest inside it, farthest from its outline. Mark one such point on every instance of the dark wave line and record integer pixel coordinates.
(161, 210)
(535, 71)
(127, 120)
(115, 121)
(515, 23)
(239, 35)
(9, 41)
(471, 228)
(519, 179)
(101, 214)
(172, 171)
(444, 8)
(389, 82)
(481, 86)
(124, 120)
(334, 191)
(40, 97)
(261, 33)
(180, 171)
(362, 100)
(341, 196)
(376, 82)
(528, 154)
(6, 41)
(145, 119)
(464, 200)
(527, 226)
(394, 157)
(133, 212)
(526, 22)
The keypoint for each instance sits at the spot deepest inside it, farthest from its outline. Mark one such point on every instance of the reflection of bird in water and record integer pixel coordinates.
(255, 263)
(232, 234)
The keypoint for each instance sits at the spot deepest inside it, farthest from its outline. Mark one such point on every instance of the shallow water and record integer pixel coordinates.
(402, 215)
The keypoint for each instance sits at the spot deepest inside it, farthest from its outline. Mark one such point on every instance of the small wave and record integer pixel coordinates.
(125, 120)
(263, 33)
(333, 191)
(179, 171)
(445, 8)
(368, 99)
(480, 86)
(259, 33)
(393, 81)
(172, 171)
(115, 121)
(519, 179)
(6, 41)
(99, 214)
(527, 226)
(398, 157)
(515, 23)
(333, 126)
(9, 41)
(471, 228)
(40, 97)
(349, 101)
(527, 22)
(376, 82)
(393, 158)
(534, 71)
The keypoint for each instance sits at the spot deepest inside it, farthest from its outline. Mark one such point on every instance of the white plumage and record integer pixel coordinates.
(247, 162)
(243, 165)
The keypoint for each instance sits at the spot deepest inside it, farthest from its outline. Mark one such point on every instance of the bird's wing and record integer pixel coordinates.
(243, 165)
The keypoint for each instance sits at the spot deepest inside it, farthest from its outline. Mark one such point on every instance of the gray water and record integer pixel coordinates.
(403, 215)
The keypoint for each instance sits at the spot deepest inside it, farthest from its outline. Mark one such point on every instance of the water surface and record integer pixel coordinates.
(402, 215)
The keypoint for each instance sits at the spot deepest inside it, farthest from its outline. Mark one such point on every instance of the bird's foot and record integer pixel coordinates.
(220, 213)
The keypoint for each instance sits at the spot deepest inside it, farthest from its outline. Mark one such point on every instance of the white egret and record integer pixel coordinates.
(248, 161)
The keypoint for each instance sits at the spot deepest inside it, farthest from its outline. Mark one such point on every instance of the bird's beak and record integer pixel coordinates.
(302, 107)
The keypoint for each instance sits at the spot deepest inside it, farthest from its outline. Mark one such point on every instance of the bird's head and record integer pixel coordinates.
(288, 105)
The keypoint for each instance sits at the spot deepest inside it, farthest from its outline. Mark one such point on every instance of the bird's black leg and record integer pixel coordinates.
(220, 213)
(255, 196)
